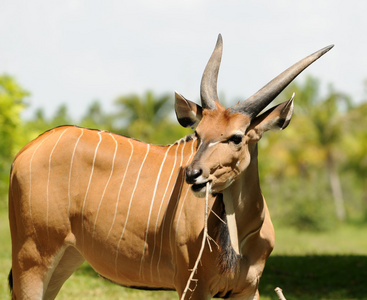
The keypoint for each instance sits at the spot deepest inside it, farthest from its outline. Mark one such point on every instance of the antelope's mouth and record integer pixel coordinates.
(198, 187)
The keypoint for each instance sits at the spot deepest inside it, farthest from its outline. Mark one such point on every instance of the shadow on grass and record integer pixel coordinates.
(316, 277)
(307, 277)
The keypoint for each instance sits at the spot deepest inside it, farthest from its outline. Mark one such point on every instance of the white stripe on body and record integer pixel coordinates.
(90, 180)
(183, 199)
(30, 181)
(150, 210)
(164, 219)
(128, 211)
(176, 204)
(104, 191)
(48, 179)
(119, 193)
(71, 168)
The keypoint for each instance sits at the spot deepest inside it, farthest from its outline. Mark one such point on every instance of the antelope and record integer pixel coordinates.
(135, 211)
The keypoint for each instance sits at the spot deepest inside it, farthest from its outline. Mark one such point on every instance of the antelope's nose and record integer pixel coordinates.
(192, 174)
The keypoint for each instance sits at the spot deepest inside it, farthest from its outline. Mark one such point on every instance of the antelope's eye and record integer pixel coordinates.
(198, 138)
(236, 139)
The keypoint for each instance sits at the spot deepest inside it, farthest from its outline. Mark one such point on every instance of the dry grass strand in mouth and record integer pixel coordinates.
(206, 237)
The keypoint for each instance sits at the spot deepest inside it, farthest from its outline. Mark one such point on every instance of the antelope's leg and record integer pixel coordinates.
(31, 271)
(35, 277)
(69, 262)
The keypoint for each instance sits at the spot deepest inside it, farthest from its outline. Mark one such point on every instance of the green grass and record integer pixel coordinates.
(342, 240)
(316, 277)
(306, 265)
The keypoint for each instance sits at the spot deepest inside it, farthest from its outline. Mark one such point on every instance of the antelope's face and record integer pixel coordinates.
(226, 137)
(222, 151)
(225, 141)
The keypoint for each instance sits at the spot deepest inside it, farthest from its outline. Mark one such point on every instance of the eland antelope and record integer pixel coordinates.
(135, 211)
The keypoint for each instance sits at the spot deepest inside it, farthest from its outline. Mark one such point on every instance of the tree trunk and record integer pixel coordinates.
(336, 188)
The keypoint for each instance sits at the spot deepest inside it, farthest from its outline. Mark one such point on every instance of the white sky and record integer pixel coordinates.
(77, 51)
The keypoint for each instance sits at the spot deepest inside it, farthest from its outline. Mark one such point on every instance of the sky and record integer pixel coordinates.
(79, 51)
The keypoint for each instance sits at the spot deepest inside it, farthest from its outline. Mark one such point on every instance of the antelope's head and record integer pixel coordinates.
(227, 137)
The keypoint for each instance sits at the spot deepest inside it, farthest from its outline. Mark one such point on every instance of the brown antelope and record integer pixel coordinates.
(134, 210)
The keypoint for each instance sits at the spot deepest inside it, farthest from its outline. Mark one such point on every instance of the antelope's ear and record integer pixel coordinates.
(276, 118)
(188, 113)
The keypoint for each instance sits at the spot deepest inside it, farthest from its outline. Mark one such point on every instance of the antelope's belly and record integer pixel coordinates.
(128, 258)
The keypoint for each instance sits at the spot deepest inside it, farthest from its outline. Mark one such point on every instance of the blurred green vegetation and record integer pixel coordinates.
(12, 104)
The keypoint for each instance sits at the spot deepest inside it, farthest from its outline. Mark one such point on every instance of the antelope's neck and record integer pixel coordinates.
(244, 206)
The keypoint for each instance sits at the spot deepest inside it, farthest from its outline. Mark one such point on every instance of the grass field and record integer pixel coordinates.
(325, 265)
